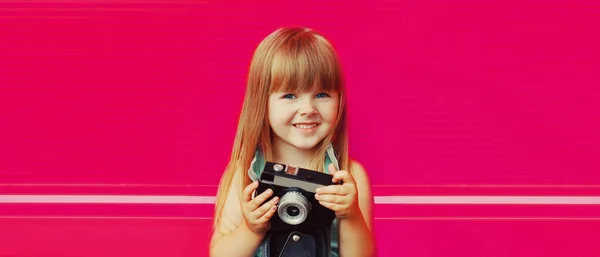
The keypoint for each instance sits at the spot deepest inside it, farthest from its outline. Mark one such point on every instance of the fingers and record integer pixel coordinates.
(247, 194)
(342, 175)
(332, 169)
(331, 198)
(265, 208)
(332, 206)
(265, 212)
(333, 190)
(260, 199)
(337, 194)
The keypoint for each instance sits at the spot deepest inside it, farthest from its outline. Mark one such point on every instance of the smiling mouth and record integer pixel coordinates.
(305, 126)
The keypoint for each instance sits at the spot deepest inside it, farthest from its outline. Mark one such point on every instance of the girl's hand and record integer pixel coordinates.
(342, 199)
(257, 213)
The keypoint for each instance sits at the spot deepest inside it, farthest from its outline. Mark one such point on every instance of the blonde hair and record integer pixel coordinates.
(291, 60)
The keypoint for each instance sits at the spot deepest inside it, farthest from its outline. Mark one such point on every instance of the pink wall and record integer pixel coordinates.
(447, 98)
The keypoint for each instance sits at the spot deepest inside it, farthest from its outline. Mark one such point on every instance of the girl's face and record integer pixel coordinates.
(302, 120)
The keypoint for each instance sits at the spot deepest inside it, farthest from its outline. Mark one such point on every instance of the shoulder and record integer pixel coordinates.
(361, 178)
(356, 166)
(359, 172)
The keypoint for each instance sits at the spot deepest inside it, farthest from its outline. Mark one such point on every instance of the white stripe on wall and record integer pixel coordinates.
(132, 199)
(487, 200)
(138, 199)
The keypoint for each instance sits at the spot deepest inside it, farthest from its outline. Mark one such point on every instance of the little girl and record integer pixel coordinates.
(293, 113)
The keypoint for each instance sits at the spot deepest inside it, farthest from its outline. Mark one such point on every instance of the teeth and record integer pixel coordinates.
(304, 126)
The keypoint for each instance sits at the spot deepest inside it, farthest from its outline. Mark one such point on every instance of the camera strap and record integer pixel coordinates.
(309, 243)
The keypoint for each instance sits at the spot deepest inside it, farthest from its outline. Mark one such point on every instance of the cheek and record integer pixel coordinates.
(279, 116)
(329, 112)
(273, 112)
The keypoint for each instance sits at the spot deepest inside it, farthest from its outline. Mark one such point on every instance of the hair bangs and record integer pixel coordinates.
(305, 62)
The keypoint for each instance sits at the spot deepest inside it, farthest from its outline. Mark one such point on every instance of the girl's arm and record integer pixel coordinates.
(232, 237)
(240, 242)
(356, 232)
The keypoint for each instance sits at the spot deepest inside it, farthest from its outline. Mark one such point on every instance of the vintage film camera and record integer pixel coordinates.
(296, 187)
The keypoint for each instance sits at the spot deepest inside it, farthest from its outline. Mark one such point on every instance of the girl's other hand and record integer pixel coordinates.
(342, 199)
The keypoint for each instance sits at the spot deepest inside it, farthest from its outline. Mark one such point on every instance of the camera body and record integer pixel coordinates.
(296, 187)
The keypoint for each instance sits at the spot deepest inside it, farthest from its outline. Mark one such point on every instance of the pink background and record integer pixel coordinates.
(447, 98)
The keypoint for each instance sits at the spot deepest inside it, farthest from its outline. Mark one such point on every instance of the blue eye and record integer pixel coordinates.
(289, 96)
(322, 95)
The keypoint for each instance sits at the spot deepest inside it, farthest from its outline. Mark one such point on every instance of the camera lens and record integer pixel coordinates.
(293, 208)
(293, 211)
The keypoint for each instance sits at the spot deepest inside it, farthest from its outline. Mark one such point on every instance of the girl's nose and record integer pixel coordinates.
(307, 108)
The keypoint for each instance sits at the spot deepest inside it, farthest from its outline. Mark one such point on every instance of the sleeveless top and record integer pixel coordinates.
(256, 168)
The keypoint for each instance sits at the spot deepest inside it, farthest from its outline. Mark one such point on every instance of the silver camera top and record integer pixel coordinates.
(290, 176)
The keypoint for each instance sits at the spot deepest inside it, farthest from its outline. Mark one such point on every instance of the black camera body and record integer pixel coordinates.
(296, 187)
